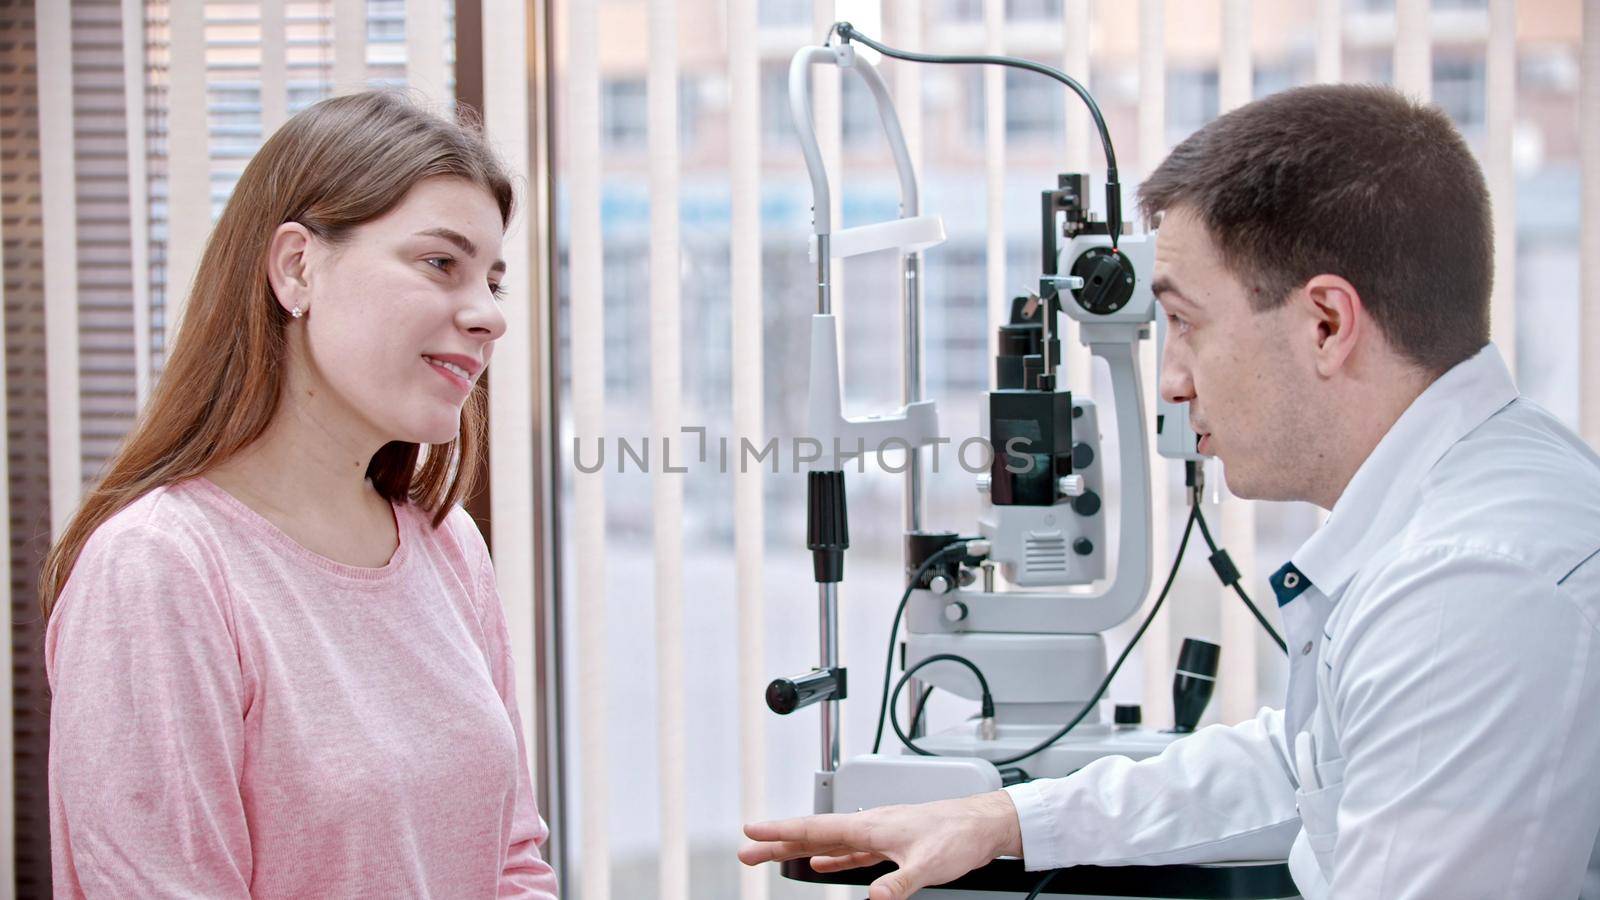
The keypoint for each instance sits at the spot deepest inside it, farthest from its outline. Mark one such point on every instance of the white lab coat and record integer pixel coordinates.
(1441, 736)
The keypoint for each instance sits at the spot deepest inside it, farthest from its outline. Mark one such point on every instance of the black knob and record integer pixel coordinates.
(1199, 657)
(1193, 683)
(1083, 546)
(1082, 455)
(1127, 714)
(1108, 280)
(827, 525)
(1086, 503)
(782, 696)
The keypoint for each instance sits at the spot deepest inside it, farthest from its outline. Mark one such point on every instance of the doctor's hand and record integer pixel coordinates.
(932, 843)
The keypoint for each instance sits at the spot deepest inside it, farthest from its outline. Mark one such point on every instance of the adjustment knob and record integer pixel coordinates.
(955, 611)
(939, 584)
(1108, 280)
(1082, 455)
(1070, 485)
(1087, 504)
(1083, 546)
(983, 484)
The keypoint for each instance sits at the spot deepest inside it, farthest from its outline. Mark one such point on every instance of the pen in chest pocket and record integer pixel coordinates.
(1305, 760)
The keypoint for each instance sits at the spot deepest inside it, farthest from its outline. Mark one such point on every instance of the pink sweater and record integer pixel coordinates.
(236, 716)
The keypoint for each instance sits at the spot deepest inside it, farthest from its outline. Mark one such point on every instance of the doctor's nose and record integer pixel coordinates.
(1177, 386)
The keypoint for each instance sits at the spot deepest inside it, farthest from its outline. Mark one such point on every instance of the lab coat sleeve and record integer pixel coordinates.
(1465, 696)
(1223, 793)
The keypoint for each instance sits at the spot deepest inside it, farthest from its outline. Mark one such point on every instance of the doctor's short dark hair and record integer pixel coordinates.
(1350, 180)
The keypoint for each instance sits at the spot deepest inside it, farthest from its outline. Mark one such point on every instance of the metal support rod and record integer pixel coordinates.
(824, 291)
(827, 593)
(914, 700)
(828, 638)
(911, 382)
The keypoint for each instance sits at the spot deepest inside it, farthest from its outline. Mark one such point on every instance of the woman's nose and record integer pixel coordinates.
(482, 317)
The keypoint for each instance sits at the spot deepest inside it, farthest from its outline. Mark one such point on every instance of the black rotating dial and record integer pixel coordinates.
(1107, 280)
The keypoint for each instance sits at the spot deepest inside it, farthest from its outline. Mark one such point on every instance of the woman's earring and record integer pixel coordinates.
(296, 312)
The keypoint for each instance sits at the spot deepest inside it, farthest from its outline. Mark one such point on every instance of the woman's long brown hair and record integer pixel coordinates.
(339, 163)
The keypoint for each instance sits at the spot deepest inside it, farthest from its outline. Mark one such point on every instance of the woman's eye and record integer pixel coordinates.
(1177, 323)
(445, 264)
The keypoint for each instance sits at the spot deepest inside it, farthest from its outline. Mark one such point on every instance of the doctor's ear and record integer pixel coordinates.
(286, 265)
(1339, 317)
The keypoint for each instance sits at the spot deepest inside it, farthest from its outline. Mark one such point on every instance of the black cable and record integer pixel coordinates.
(848, 33)
(937, 557)
(1100, 691)
(922, 704)
(1233, 581)
(1043, 883)
(986, 702)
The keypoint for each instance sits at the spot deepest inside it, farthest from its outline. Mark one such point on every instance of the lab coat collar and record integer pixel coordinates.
(1381, 497)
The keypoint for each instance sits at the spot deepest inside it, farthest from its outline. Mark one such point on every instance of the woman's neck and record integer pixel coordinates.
(307, 475)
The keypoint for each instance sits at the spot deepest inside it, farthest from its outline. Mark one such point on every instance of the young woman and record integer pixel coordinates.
(278, 661)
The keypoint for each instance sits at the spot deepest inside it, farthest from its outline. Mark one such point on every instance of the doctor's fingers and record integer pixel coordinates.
(757, 852)
(846, 861)
(823, 835)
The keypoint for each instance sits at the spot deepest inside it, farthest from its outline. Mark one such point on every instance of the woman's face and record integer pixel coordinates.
(402, 317)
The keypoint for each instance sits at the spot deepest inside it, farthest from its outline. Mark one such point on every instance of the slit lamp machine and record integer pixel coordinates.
(1030, 649)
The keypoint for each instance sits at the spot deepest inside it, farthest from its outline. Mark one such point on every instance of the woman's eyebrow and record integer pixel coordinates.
(462, 241)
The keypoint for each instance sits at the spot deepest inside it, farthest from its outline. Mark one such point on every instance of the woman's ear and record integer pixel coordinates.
(286, 266)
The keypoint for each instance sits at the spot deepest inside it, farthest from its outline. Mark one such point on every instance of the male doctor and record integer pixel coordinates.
(1324, 262)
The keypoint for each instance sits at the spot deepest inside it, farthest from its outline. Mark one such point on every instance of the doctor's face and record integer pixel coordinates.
(1250, 399)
